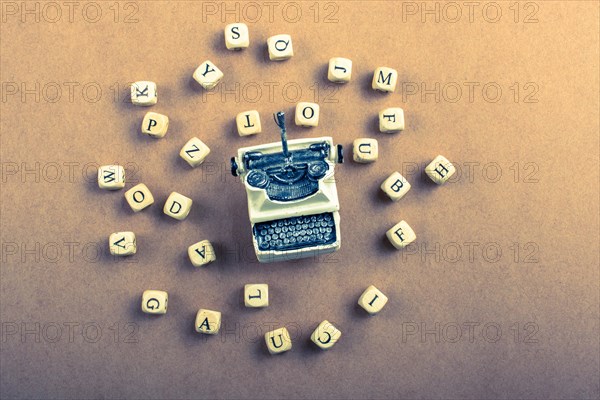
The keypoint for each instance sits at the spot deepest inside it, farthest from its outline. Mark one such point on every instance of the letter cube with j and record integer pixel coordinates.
(256, 295)
(248, 123)
(143, 93)
(372, 300)
(440, 170)
(325, 335)
(391, 120)
(401, 235)
(385, 79)
(194, 152)
(278, 341)
(365, 150)
(208, 75)
(139, 197)
(208, 322)
(111, 177)
(155, 125)
(395, 186)
(201, 253)
(340, 70)
(154, 302)
(280, 47)
(122, 244)
(307, 114)
(237, 36)
(177, 206)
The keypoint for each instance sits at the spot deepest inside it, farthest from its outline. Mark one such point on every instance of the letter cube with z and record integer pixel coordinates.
(208, 75)
(395, 186)
(340, 70)
(143, 93)
(201, 253)
(307, 114)
(155, 125)
(365, 150)
(111, 177)
(278, 341)
(256, 295)
(391, 120)
(237, 36)
(177, 206)
(248, 123)
(208, 322)
(280, 47)
(385, 79)
(372, 300)
(194, 152)
(401, 235)
(122, 244)
(440, 170)
(154, 302)
(325, 335)
(139, 197)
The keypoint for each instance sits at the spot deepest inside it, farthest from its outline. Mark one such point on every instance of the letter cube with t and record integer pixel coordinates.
(139, 197)
(208, 75)
(440, 170)
(208, 322)
(155, 125)
(372, 300)
(194, 152)
(395, 186)
(177, 206)
(111, 177)
(391, 120)
(307, 114)
(201, 253)
(365, 150)
(401, 235)
(237, 36)
(122, 244)
(154, 302)
(143, 93)
(340, 70)
(248, 123)
(326, 335)
(256, 295)
(278, 341)
(385, 79)
(280, 47)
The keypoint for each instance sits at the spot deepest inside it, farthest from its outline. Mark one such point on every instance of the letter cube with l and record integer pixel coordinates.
(391, 120)
(372, 300)
(401, 235)
(143, 93)
(280, 47)
(340, 70)
(248, 123)
(122, 244)
(194, 152)
(201, 253)
(237, 36)
(395, 186)
(155, 125)
(154, 302)
(385, 79)
(111, 177)
(440, 170)
(307, 114)
(256, 295)
(208, 322)
(208, 75)
(365, 150)
(325, 335)
(278, 341)
(177, 206)
(139, 197)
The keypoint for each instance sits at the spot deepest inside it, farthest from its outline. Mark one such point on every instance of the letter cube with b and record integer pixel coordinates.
(440, 170)
(280, 47)
(401, 235)
(372, 300)
(111, 177)
(256, 295)
(395, 186)
(237, 36)
(155, 125)
(201, 253)
(122, 244)
(194, 152)
(391, 120)
(177, 206)
(208, 75)
(385, 79)
(143, 93)
(248, 123)
(325, 335)
(307, 114)
(154, 302)
(278, 341)
(208, 322)
(365, 150)
(139, 197)
(340, 70)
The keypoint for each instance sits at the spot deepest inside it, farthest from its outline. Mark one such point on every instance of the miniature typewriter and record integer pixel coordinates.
(292, 198)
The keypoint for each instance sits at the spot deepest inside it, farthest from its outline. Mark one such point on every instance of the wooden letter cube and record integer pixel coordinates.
(194, 152)
(365, 150)
(154, 302)
(391, 120)
(237, 36)
(326, 335)
(201, 253)
(278, 341)
(139, 197)
(111, 177)
(122, 244)
(385, 79)
(395, 186)
(143, 93)
(440, 170)
(208, 322)
(280, 47)
(177, 206)
(155, 124)
(256, 295)
(372, 300)
(307, 114)
(401, 235)
(248, 123)
(208, 75)
(340, 70)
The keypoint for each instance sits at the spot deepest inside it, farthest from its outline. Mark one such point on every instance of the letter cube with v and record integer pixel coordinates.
(154, 302)
(395, 186)
(208, 75)
(401, 235)
(143, 93)
(155, 125)
(278, 341)
(201, 253)
(139, 197)
(256, 295)
(280, 47)
(372, 300)
(440, 170)
(208, 322)
(177, 206)
(122, 244)
(326, 335)
(194, 152)
(111, 177)
(385, 79)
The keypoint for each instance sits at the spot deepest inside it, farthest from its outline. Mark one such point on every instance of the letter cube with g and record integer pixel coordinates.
(155, 125)
(177, 206)
(143, 93)
(122, 244)
(395, 186)
(278, 341)
(111, 177)
(326, 335)
(280, 47)
(440, 170)
(208, 322)
(194, 152)
(154, 302)
(385, 79)
(201, 253)
(372, 300)
(401, 235)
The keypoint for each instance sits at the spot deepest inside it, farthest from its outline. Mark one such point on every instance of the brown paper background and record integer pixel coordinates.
(550, 209)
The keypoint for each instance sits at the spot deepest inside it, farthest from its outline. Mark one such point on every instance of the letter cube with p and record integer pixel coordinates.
(154, 302)
(155, 125)
(208, 322)
(278, 341)
(177, 206)
(122, 244)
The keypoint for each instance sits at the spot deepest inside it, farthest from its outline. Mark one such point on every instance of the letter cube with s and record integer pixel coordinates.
(201, 253)
(194, 152)
(143, 93)
(237, 36)
(440, 170)
(395, 186)
(154, 302)
(401, 235)
(155, 125)
(177, 206)
(122, 244)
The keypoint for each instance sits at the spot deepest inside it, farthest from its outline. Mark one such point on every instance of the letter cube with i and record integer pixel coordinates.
(307, 114)
(365, 150)
(111, 177)
(280, 47)
(194, 152)
(256, 295)
(237, 36)
(177, 206)
(401, 235)
(325, 335)
(440, 170)
(122, 244)
(208, 75)
(208, 322)
(201, 253)
(278, 341)
(248, 123)
(143, 93)
(155, 125)
(385, 79)
(395, 186)
(340, 70)
(139, 197)
(372, 300)
(154, 302)
(391, 120)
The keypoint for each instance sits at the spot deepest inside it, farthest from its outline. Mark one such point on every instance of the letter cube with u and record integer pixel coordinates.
(177, 206)
(208, 322)
(154, 302)
(365, 150)
(278, 341)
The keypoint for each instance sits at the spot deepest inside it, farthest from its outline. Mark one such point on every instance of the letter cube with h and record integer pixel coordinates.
(440, 170)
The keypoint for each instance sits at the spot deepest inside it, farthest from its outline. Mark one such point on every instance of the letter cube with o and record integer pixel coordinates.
(208, 322)
(237, 36)
(340, 70)
(440, 170)
(391, 120)
(256, 295)
(248, 123)
(111, 177)
(139, 197)
(122, 244)
(177, 206)
(325, 335)
(280, 47)
(208, 75)
(143, 93)
(372, 300)
(401, 235)
(194, 152)
(278, 341)
(154, 302)
(365, 150)
(385, 79)
(395, 186)
(307, 114)
(201, 253)
(155, 125)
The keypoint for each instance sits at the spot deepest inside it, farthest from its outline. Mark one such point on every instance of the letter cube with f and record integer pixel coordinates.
(177, 206)
(401, 235)
(395, 186)
(194, 152)
(440, 170)
(391, 120)
(143, 93)
(154, 302)
(278, 341)
(385, 79)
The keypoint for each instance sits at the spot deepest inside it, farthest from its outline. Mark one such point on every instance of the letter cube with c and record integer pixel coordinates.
(194, 152)
(201, 253)
(280, 47)
(278, 341)
(256, 295)
(395, 186)
(391, 120)
(307, 114)
(401, 235)
(208, 75)
(139, 197)
(385, 79)
(155, 125)
(122, 244)
(440, 170)
(325, 335)
(372, 300)
(177, 206)
(111, 177)
(143, 93)
(154, 302)
(208, 322)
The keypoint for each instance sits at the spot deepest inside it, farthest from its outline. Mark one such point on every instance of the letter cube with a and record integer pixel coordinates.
(237, 36)
(385, 79)
(177, 206)
(307, 114)
(194, 152)
(325, 335)
(440, 170)
(139, 197)
(256, 295)
(143, 93)
(208, 322)
(401, 235)
(391, 120)
(155, 124)
(122, 243)
(248, 123)
(111, 177)
(340, 70)
(155, 301)
(208, 75)
(365, 150)
(395, 186)
(278, 341)
(201, 253)
(280, 47)
(372, 300)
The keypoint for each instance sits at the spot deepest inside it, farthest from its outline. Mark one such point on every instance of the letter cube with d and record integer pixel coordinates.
(401, 235)
(122, 244)
(385, 79)
(177, 206)
(440, 170)
(307, 114)
(154, 302)
(391, 120)
(372, 300)
(256, 295)
(278, 341)
(111, 177)
(208, 322)
(340, 70)
(208, 75)
(143, 93)
(365, 150)
(194, 152)
(395, 186)
(325, 335)
(237, 36)
(155, 125)
(280, 47)
(248, 123)
(201, 253)
(139, 197)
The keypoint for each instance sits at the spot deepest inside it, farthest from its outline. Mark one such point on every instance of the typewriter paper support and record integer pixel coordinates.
(292, 198)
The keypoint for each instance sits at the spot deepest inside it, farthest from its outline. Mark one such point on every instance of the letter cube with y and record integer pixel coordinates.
(111, 177)
(307, 114)
(143, 93)
(372, 300)
(194, 152)
(395, 186)
(385, 79)
(278, 341)
(237, 36)
(155, 124)
(440, 170)
(201, 253)
(122, 244)
(154, 302)
(208, 75)
(208, 322)
(340, 70)
(401, 235)
(139, 197)
(248, 123)
(365, 150)
(177, 206)
(256, 295)
(391, 120)
(326, 335)
(280, 47)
